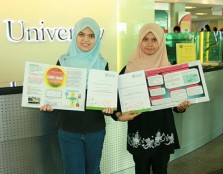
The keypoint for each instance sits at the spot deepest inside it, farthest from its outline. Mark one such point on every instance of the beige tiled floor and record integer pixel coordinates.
(207, 159)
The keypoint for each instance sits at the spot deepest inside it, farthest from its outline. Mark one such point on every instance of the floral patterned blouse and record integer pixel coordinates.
(152, 132)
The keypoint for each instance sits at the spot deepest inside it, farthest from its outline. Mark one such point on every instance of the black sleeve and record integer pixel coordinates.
(107, 67)
(123, 70)
(55, 112)
(58, 63)
(113, 116)
(177, 111)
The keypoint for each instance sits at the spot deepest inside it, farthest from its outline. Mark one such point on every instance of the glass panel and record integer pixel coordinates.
(208, 45)
(212, 46)
(161, 17)
(173, 38)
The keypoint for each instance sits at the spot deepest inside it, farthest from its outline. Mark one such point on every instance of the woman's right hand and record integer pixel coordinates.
(127, 116)
(46, 108)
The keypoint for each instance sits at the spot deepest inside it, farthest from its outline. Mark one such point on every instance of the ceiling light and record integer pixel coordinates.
(189, 7)
(200, 14)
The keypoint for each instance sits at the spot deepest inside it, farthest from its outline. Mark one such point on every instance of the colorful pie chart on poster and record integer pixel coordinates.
(55, 77)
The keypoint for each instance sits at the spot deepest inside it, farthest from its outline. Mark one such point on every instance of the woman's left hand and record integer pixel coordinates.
(107, 111)
(184, 105)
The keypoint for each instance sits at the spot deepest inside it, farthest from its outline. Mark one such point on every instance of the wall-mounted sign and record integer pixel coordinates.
(19, 31)
(184, 21)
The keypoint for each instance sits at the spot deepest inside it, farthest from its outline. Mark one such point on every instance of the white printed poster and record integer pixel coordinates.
(62, 87)
(133, 93)
(162, 88)
(102, 89)
(169, 86)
